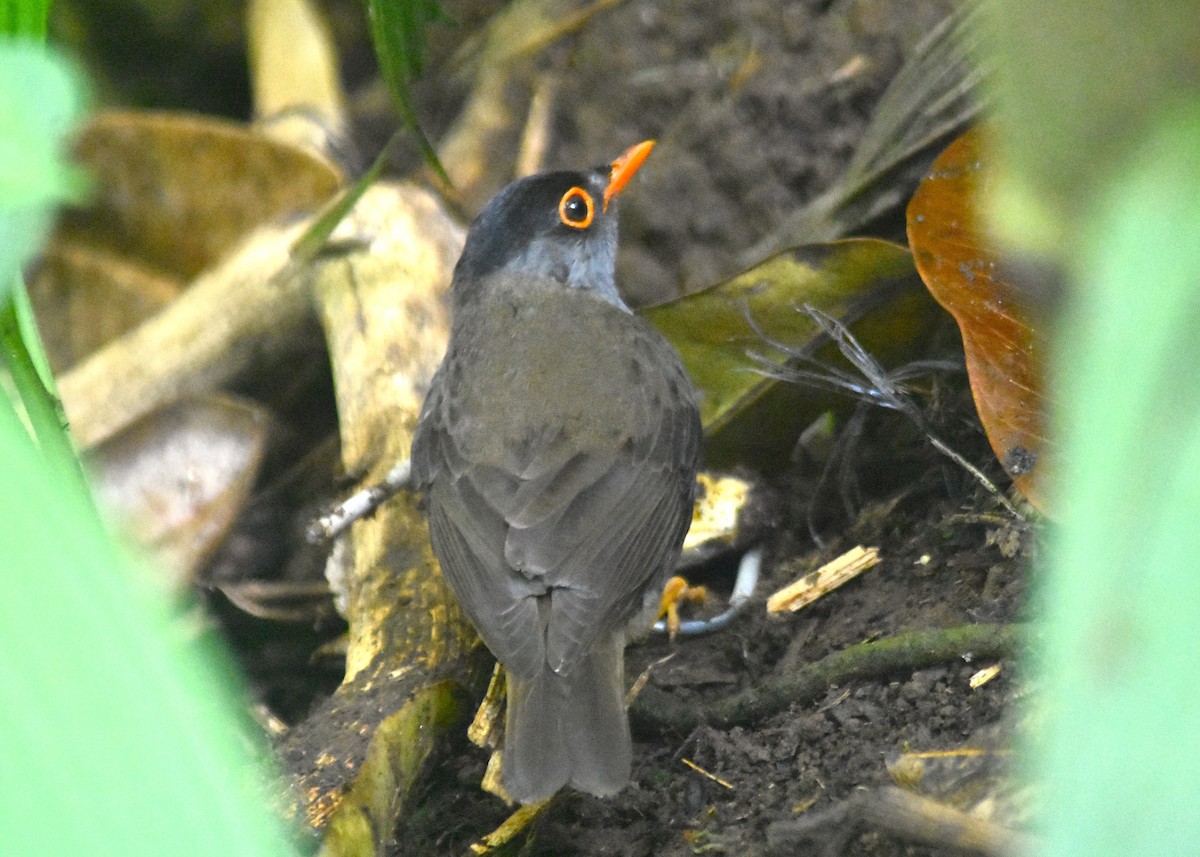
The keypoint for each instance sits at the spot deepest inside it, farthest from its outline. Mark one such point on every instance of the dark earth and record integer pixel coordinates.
(758, 106)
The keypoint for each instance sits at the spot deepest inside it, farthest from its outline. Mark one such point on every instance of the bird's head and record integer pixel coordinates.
(557, 225)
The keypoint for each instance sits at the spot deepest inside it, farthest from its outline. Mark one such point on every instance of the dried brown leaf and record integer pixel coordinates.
(86, 296)
(966, 275)
(178, 191)
(176, 479)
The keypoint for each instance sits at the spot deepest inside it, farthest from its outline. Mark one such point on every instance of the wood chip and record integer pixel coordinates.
(985, 675)
(641, 680)
(825, 579)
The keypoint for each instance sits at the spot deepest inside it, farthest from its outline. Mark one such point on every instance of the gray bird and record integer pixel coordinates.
(557, 449)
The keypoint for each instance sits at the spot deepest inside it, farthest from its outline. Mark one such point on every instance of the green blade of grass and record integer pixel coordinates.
(308, 246)
(398, 33)
(26, 363)
(37, 109)
(118, 735)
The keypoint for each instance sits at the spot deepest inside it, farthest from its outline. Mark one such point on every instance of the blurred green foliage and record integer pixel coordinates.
(1121, 754)
(121, 733)
(1098, 134)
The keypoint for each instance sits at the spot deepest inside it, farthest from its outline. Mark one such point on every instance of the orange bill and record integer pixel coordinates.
(624, 167)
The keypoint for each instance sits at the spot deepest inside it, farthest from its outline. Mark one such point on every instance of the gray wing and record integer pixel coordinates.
(601, 544)
(553, 548)
(468, 535)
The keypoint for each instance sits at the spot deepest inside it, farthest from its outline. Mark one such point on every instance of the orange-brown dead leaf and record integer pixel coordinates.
(965, 274)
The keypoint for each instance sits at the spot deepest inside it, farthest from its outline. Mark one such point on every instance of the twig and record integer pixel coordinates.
(882, 389)
(824, 580)
(709, 774)
(359, 505)
(656, 710)
(899, 399)
(508, 830)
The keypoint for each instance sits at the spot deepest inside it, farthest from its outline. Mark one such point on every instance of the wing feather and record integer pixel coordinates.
(552, 542)
(501, 603)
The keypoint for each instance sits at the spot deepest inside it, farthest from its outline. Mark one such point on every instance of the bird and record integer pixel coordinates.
(557, 450)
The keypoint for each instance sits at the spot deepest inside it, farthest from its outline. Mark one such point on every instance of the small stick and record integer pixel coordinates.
(711, 776)
(824, 580)
(359, 505)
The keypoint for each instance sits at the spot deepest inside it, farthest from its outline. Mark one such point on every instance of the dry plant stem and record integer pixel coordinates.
(824, 580)
(535, 138)
(355, 759)
(386, 323)
(493, 109)
(229, 319)
(658, 711)
(363, 821)
(708, 774)
(410, 651)
(509, 828)
(360, 504)
(926, 820)
(293, 60)
(892, 395)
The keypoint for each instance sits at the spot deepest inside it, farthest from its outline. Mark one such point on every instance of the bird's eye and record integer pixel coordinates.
(576, 208)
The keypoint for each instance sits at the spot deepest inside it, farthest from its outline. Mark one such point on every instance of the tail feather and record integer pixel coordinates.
(536, 761)
(595, 725)
(569, 729)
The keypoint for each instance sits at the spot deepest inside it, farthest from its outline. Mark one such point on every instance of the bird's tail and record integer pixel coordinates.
(569, 729)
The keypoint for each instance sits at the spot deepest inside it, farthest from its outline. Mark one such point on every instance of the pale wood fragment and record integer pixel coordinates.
(825, 579)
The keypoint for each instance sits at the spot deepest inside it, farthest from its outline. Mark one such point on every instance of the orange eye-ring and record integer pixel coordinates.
(576, 208)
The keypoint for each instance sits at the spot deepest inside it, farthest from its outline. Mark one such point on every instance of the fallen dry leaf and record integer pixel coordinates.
(86, 296)
(179, 191)
(176, 479)
(965, 274)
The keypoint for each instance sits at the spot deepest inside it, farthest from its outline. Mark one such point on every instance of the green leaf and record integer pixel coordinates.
(398, 33)
(401, 26)
(718, 333)
(1097, 129)
(1075, 85)
(308, 246)
(39, 103)
(119, 734)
